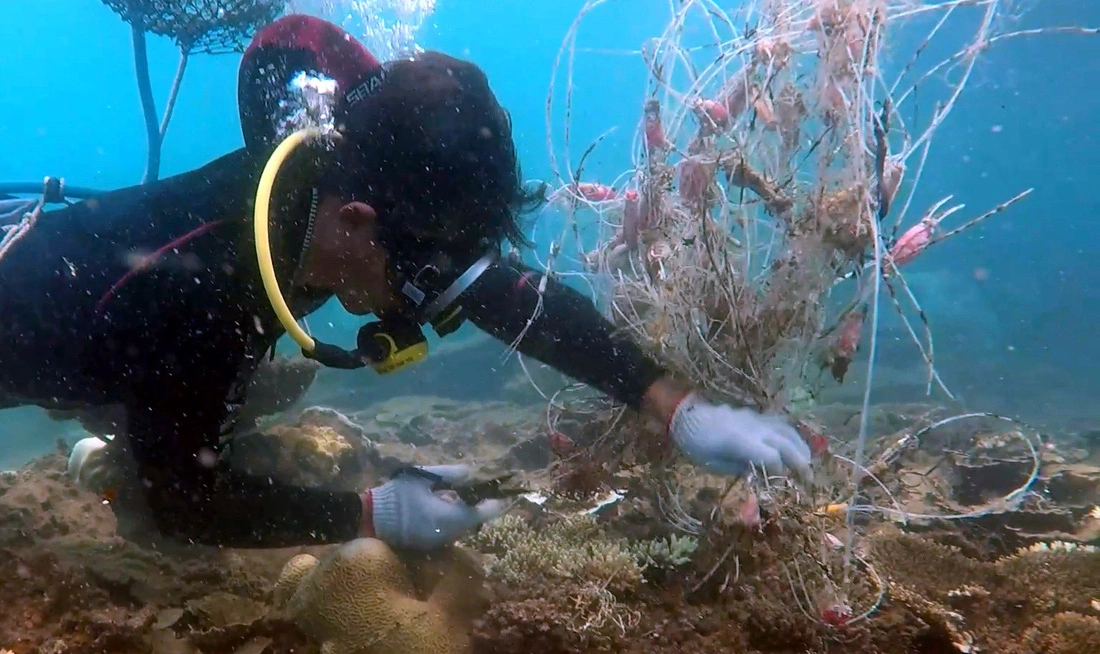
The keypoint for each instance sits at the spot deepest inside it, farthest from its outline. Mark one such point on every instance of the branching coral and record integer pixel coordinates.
(666, 553)
(575, 554)
(573, 548)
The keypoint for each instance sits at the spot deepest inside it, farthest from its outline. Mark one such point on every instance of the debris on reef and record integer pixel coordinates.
(767, 214)
(768, 208)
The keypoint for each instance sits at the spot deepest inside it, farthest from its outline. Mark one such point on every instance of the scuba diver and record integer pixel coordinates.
(164, 298)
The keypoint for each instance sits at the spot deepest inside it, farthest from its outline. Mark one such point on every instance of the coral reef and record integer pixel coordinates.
(574, 547)
(70, 586)
(953, 573)
(574, 575)
(760, 224)
(1064, 633)
(359, 599)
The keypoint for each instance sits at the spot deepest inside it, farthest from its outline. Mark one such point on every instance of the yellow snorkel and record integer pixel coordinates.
(329, 355)
(263, 236)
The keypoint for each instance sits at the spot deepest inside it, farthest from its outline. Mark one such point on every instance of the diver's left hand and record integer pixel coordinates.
(93, 466)
(105, 467)
(733, 441)
(410, 512)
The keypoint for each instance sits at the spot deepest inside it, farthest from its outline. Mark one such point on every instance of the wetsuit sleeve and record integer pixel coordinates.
(176, 423)
(569, 334)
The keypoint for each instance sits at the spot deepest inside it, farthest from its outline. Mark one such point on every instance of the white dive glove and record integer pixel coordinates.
(411, 512)
(93, 466)
(734, 441)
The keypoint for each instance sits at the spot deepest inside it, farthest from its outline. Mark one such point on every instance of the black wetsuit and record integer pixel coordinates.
(149, 297)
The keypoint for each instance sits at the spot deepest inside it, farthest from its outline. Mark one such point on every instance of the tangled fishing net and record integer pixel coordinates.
(207, 26)
(766, 217)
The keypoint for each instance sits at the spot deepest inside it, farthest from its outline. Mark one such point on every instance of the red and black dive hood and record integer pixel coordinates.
(291, 45)
(428, 278)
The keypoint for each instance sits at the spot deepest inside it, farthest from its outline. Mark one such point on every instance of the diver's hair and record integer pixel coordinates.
(435, 149)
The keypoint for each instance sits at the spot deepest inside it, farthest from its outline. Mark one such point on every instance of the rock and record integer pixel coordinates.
(530, 454)
(223, 609)
(275, 387)
(997, 465)
(1074, 484)
(979, 480)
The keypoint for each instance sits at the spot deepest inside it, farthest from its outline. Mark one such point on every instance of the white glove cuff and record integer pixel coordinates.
(685, 421)
(386, 514)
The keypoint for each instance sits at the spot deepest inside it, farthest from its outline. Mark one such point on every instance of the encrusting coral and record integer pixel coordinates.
(361, 599)
(1064, 633)
(321, 448)
(1051, 591)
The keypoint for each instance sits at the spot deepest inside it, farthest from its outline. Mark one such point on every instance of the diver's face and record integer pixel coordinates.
(347, 259)
(363, 286)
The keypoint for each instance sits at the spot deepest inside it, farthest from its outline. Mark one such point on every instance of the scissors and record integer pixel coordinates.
(474, 492)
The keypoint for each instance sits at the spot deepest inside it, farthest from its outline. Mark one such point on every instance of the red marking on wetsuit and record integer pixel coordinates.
(672, 416)
(366, 515)
(148, 260)
(523, 279)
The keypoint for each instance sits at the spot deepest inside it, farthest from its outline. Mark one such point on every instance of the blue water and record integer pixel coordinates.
(1022, 339)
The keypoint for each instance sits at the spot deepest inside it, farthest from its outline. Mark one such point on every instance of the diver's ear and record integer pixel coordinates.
(358, 214)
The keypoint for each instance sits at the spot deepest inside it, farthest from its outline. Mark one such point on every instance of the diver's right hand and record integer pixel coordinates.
(92, 466)
(410, 512)
(734, 441)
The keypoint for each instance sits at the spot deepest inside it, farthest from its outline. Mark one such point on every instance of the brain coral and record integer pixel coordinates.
(360, 599)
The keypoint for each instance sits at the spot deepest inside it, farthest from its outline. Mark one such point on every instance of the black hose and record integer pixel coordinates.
(148, 109)
(35, 188)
